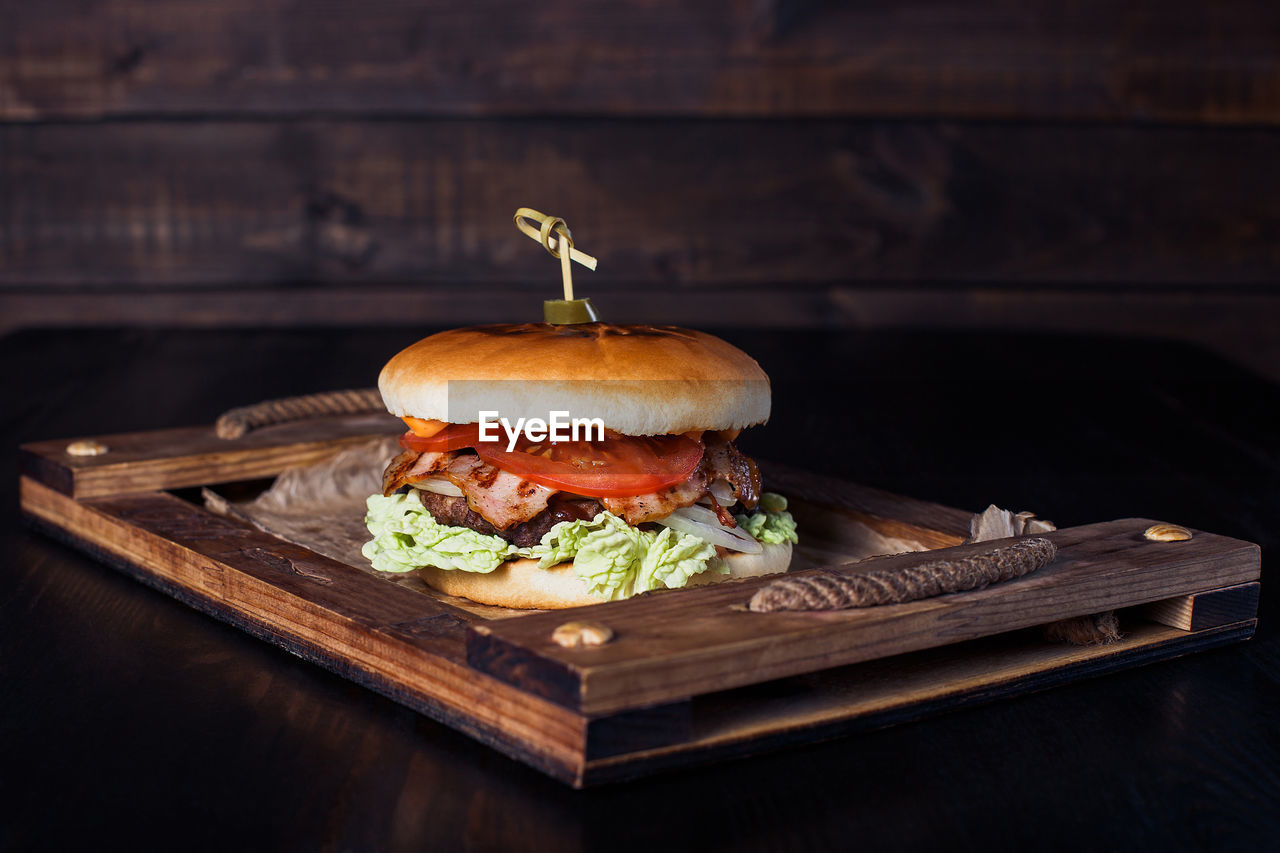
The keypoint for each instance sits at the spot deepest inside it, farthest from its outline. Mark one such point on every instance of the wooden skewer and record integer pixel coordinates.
(551, 242)
(554, 235)
(566, 270)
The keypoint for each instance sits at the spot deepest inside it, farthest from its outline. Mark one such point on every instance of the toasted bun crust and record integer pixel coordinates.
(771, 561)
(520, 584)
(640, 380)
(516, 583)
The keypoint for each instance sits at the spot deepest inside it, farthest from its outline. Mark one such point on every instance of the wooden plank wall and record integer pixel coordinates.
(1073, 165)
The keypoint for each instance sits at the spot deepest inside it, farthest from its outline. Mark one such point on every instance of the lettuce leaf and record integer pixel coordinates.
(608, 559)
(614, 559)
(770, 523)
(561, 542)
(406, 537)
(673, 558)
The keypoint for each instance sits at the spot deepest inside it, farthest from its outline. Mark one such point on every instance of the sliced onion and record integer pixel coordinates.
(722, 490)
(439, 485)
(700, 514)
(703, 523)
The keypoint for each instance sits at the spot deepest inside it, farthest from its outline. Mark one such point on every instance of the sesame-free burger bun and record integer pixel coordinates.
(520, 584)
(640, 380)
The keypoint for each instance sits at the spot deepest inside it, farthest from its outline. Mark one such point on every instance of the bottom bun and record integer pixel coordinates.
(516, 583)
(521, 585)
(773, 560)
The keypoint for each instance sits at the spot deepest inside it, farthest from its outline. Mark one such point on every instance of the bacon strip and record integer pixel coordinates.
(501, 498)
(504, 499)
(411, 466)
(655, 505)
(723, 461)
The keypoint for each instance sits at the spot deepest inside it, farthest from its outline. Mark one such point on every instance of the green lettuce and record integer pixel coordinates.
(406, 537)
(614, 559)
(608, 559)
(672, 558)
(561, 542)
(770, 523)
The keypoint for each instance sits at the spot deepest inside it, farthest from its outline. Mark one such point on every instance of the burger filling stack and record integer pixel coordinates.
(647, 492)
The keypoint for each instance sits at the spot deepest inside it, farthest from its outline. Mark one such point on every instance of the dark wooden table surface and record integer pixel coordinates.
(127, 718)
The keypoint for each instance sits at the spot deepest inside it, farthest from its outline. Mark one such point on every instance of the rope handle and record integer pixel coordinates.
(234, 423)
(825, 589)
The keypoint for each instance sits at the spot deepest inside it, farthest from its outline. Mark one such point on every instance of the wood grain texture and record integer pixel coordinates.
(1235, 324)
(1081, 59)
(211, 728)
(410, 647)
(673, 203)
(669, 647)
(1205, 609)
(329, 612)
(625, 717)
(407, 647)
(930, 524)
(837, 702)
(170, 459)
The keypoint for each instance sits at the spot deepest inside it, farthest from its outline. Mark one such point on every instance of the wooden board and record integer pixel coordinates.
(885, 692)
(1232, 324)
(193, 456)
(691, 676)
(244, 205)
(671, 646)
(1205, 609)
(1083, 59)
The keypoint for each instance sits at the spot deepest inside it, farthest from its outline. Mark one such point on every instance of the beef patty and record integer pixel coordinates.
(454, 511)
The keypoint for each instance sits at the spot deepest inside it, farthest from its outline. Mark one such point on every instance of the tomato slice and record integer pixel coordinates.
(452, 437)
(618, 466)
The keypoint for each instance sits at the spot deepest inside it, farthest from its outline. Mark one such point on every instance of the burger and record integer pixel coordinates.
(549, 466)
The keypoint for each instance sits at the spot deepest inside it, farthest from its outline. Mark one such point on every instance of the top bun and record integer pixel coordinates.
(640, 380)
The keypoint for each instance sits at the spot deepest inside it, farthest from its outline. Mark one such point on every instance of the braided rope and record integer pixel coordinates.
(236, 422)
(1097, 629)
(832, 590)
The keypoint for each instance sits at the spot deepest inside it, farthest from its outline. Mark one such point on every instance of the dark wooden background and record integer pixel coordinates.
(1045, 165)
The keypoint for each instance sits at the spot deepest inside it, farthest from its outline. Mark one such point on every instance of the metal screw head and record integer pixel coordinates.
(86, 447)
(574, 634)
(1167, 533)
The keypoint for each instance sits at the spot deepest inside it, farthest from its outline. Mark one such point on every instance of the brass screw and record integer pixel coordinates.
(1167, 533)
(574, 634)
(86, 447)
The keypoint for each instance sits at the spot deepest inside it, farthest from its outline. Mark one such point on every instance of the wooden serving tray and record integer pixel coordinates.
(691, 674)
